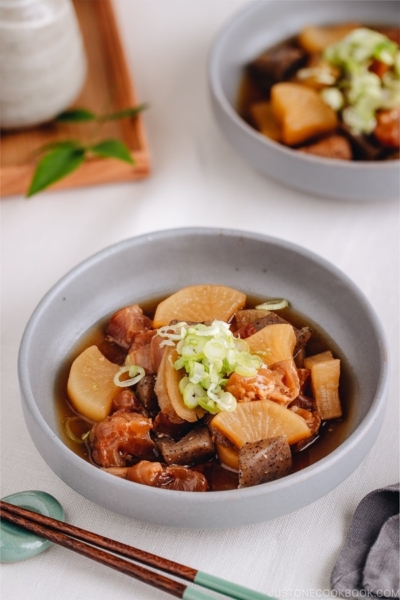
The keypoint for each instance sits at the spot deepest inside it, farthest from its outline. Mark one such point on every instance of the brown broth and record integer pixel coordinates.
(331, 435)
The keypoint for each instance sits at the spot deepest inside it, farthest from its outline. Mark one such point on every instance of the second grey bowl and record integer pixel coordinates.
(251, 31)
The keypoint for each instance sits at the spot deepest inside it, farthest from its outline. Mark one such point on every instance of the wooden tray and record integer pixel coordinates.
(108, 87)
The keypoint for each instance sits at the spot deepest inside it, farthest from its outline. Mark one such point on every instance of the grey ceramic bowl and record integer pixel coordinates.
(155, 265)
(258, 27)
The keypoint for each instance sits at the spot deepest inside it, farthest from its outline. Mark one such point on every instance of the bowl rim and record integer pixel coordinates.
(220, 97)
(308, 473)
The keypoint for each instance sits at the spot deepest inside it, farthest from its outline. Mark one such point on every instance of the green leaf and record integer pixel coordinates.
(60, 144)
(54, 166)
(113, 149)
(76, 115)
(126, 112)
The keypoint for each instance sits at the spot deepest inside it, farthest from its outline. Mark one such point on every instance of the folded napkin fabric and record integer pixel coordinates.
(369, 564)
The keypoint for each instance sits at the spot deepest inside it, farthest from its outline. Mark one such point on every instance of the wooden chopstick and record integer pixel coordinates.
(151, 577)
(93, 545)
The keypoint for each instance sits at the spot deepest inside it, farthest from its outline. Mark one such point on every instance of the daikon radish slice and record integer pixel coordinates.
(228, 456)
(309, 361)
(260, 420)
(273, 343)
(302, 112)
(316, 39)
(90, 384)
(198, 303)
(171, 379)
(325, 385)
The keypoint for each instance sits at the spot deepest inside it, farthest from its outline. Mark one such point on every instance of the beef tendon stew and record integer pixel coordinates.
(333, 92)
(208, 394)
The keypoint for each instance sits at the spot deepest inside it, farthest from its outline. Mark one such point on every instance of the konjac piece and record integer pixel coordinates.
(194, 448)
(263, 461)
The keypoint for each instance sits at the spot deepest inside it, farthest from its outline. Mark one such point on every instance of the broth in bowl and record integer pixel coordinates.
(206, 390)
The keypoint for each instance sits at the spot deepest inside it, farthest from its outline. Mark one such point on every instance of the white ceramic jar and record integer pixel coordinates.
(42, 60)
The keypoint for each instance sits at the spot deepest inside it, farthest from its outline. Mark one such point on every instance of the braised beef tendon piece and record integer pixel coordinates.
(305, 402)
(387, 130)
(276, 64)
(304, 379)
(125, 324)
(194, 448)
(126, 401)
(313, 420)
(154, 474)
(120, 438)
(145, 393)
(263, 461)
(170, 425)
(181, 479)
(247, 316)
(333, 146)
(364, 147)
(140, 351)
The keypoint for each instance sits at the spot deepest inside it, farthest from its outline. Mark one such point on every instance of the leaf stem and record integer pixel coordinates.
(65, 156)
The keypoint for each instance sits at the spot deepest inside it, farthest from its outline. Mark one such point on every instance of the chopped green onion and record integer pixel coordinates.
(358, 120)
(171, 332)
(192, 393)
(135, 374)
(210, 405)
(226, 401)
(71, 434)
(321, 74)
(363, 92)
(333, 98)
(275, 304)
(209, 354)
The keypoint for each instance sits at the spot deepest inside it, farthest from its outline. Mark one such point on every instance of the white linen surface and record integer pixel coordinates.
(197, 180)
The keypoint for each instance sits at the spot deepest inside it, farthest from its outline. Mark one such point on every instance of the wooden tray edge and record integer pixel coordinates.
(15, 179)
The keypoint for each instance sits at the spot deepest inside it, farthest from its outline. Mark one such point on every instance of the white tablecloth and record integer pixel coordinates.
(197, 180)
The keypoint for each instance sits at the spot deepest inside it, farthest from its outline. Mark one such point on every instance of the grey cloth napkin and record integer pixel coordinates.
(368, 564)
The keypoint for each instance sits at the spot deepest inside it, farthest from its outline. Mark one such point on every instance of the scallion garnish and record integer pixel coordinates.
(362, 92)
(209, 354)
(68, 430)
(275, 304)
(135, 374)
